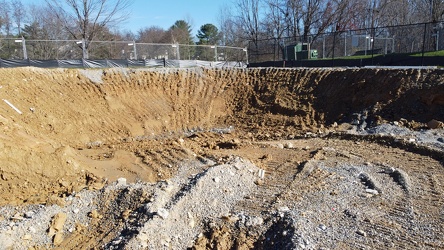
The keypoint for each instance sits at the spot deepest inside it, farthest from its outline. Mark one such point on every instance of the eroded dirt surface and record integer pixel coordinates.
(221, 159)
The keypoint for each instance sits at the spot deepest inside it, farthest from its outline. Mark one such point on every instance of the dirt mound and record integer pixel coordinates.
(299, 146)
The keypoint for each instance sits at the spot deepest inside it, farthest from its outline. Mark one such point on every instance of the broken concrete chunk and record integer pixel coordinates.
(163, 213)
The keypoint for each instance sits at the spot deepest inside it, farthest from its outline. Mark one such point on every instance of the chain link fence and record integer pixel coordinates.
(135, 54)
(417, 38)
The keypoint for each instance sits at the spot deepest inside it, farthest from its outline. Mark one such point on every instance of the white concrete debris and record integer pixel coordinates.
(121, 181)
(163, 213)
(372, 191)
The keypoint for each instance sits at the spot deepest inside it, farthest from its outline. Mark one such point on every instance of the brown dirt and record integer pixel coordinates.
(83, 129)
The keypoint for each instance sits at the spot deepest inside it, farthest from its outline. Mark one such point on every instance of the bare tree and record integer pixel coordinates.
(153, 34)
(232, 33)
(84, 19)
(249, 17)
(5, 17)
(276, 18)
(18, 14)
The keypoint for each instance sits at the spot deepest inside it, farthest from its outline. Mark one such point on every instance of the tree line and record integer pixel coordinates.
(253, 20)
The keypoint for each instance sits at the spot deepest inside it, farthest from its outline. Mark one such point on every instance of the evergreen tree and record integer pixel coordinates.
(208, 34)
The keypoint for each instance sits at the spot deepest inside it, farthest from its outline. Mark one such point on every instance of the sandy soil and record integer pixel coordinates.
(221, 158)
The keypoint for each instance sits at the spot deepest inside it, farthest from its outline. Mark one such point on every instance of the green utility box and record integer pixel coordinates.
(300, 51)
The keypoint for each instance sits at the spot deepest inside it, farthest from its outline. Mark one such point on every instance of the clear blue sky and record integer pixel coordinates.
(164, 13)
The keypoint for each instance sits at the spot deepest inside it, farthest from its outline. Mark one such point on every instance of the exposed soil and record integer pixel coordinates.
(221, 158)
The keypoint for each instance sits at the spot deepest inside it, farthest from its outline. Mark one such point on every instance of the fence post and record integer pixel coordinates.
(334, 45)
(423, 44)
(372, 40)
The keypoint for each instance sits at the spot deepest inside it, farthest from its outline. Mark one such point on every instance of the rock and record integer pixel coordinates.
(254, 221)
(17, 217)
(121, 181)
(283, 209)
(440, 139)
(58, 238)
(57, 224)
(58, 221)
(372, 191)
(362, 233)
(216, 179)
(95, 215)
(27, 237)
(322, 227)
(434, 124)
(163, 213)
(289, 145)
(280, 145)
(191, 221)
(126, 214)
(29, 214)
(259, 182)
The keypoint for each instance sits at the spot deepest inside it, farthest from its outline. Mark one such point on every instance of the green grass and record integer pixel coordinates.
(431, 53)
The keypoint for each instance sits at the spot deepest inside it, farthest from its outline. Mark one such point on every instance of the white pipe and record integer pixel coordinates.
(12, 106)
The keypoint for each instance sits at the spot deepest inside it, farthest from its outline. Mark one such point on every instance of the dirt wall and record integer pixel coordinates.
(71, 121)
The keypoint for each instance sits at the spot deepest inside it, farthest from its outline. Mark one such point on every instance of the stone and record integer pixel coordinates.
(95, 215)
(163, 213)
(126, 214)
(29, 214)
(59, 221)
(434, 124)
(254, 221)
(440, 139)
(58, 238)
(17, 217)
(259, 182)
(372, 191)
(27, 237)
(283, 209)
(362, 233)
(121, 181)
(289, 145)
